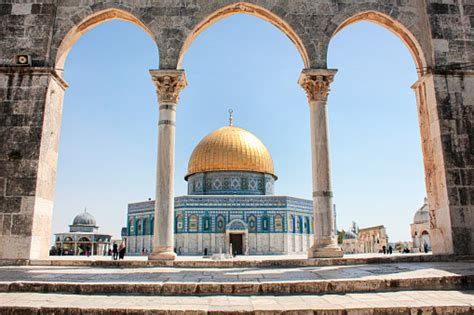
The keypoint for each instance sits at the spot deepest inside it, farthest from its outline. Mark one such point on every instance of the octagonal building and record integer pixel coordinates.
(230, 204)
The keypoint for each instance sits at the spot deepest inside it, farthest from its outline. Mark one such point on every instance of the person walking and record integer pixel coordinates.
(384, 249)
(122, 249)
(115, 251)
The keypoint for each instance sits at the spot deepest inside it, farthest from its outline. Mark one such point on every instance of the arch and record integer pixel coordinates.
(179, 222)
(252, 223)
(206, 223)
(246, 8)
(236, 225)
(278, 223)
(131, 228)
(145, 226)
(393, 26)
(137, 227)
(265, 224)
(291, 225)
(220, 223)
(89, 22)
(193, 223)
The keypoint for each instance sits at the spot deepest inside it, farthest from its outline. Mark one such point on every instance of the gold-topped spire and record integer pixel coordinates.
(230, 116)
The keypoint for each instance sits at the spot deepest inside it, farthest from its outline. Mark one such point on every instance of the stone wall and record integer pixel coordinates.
(438, 33)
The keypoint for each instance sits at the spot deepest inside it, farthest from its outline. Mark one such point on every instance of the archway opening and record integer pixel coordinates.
(107, 152)
(245, 63)
(377, 160)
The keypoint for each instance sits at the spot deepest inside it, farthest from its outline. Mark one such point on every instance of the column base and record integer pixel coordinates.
(162, 256)
(325, 252)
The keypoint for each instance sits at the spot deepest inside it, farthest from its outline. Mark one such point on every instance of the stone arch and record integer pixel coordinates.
(236, 225)
(409, 28)
(251, 9)
(88, 22)
(391, 24)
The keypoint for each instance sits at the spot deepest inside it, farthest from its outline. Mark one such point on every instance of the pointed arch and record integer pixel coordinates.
(394, 26)
(246, 8)
(89, 22)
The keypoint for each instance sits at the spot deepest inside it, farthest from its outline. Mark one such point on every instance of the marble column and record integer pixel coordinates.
(169, 84)
(316, 83)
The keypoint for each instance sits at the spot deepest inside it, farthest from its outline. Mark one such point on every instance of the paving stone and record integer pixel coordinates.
(374, 303)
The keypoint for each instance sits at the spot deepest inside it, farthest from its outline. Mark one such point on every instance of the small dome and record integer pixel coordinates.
(422, 215)
(230, 149)
(84, 218)
(349, 235)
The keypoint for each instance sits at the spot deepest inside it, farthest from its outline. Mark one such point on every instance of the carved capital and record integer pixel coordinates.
(316, 83)
(169, 84)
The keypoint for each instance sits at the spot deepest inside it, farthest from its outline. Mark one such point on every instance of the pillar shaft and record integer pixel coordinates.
(316, 83)
(169, 84)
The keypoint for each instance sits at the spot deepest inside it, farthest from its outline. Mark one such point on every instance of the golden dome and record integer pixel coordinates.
(230, 149)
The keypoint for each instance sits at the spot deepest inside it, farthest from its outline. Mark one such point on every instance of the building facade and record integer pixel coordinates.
(230, 206)
(420, 229)
(83, 237)
(365, 240)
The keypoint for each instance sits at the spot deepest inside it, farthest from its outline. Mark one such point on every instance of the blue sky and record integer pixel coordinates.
(108, 143)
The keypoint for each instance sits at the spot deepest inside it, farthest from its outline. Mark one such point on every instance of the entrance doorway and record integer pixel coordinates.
(237, 244)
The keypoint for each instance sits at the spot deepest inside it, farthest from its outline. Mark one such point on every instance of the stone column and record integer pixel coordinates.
(316, 83)
(169, 84)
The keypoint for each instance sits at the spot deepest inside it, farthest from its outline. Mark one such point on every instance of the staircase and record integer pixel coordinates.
(433, 286)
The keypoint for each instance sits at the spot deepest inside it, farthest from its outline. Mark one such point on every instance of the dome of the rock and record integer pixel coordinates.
(230, 148)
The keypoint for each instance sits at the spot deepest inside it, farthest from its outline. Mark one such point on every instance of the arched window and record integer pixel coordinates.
(179, 222)
(252, 223)
(145, 227)
(152, 225)
(137, 222)
(265, 223)
(278, 223)
(138, 227)
(292, 224)
(206, 223)
(193, 223)
(300, 224)
(308, 226)
(131, 227)
(220, 224)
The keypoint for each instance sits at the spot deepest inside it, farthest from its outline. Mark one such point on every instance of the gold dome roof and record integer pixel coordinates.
(230, 148)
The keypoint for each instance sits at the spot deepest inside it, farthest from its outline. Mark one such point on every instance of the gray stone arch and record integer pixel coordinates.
(409, 27)
(274, 14)
(81, 19)
(406, 26)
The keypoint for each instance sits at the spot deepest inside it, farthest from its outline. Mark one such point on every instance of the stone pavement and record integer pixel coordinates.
(414, 302)
(239, 281)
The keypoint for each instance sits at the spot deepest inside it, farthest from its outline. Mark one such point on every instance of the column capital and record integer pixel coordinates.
(169, 84)
(316, 83)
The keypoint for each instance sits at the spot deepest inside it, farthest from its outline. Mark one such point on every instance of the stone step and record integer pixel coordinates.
(335, 286)
(240, 262)
(404, 302)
